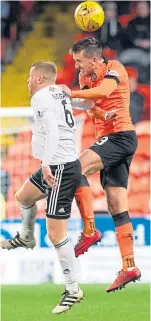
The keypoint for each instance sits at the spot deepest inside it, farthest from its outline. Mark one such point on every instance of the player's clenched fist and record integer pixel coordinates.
(66, 89)
(49, 178)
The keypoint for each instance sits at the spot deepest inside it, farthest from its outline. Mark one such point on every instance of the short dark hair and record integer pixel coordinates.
(91, 47)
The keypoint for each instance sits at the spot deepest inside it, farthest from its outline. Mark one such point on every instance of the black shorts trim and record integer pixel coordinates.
(58, 217)
(36, 184)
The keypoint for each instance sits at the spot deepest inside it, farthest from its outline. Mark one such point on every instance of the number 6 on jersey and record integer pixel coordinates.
(68, 115)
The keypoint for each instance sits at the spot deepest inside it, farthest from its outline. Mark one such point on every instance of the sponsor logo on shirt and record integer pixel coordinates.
(59, 96)
(52, 89)
(40, 113)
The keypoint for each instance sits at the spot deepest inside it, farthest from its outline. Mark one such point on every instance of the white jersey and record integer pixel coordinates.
(53, 140)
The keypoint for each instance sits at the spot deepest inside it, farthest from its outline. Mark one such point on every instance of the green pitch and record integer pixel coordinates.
(34, 303)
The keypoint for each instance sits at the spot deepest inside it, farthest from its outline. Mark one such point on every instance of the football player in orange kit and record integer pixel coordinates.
(106, 83)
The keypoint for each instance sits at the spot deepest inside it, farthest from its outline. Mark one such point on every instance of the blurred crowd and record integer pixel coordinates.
(128, 34)
(17, 18)
(125, 36)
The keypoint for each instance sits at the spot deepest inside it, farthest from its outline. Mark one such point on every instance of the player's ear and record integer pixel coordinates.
(40, 79)
(94, 59)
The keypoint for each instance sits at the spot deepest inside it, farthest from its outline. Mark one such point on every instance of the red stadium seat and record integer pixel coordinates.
(80, 36)
(139, 204)
(140, 166)
(65, 76)
(124, 20)
(69, 61)
(13, 33)
(139, 185)
(143, 148)
(28, 5)
(24, 137)
(143, 128)
(144, 90)
(109, 53)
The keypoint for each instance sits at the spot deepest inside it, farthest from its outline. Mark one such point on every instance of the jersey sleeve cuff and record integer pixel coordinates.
(113, 77)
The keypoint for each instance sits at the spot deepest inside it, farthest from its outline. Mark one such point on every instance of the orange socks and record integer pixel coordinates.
(83, 198)
(124, 235)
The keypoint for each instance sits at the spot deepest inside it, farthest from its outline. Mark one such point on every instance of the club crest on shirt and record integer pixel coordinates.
(93, 77)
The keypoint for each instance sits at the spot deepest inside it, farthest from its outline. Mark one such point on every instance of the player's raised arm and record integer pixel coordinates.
(100, 92)
(77, 103)
(87, 104)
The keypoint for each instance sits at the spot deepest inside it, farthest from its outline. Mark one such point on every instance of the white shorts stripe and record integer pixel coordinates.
(55, 193)
(58, 188)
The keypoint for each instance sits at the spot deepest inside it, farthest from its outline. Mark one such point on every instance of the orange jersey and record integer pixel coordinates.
(118, 100)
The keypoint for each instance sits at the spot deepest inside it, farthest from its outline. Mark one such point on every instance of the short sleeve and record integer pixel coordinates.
(116, 71)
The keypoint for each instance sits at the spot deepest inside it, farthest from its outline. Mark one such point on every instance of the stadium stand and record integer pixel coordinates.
(40, 33)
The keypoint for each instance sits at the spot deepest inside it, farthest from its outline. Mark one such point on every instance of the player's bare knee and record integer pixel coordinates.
(22, 199)
(85, 171)
(112, 208)
(17, 196)
(113, 204)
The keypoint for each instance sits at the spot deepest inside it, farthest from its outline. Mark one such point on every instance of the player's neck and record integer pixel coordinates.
(98, 66)
(43, 85)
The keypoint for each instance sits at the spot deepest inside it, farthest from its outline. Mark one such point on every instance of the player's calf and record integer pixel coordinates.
(57, 231)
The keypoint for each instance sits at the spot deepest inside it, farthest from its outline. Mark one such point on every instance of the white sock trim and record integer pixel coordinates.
(26, 206)
(61, 243)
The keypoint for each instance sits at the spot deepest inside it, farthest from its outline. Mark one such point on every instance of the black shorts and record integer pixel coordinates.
(116, 152)
(59, 201)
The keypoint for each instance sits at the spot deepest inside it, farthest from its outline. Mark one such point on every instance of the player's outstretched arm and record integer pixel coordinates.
(84, 104)
(99, 92)
(87, 104)
(102, 91)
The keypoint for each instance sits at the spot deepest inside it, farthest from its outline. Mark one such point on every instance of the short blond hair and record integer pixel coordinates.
(48, 68)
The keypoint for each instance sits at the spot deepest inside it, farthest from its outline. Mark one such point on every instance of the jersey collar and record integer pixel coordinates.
(99, 73)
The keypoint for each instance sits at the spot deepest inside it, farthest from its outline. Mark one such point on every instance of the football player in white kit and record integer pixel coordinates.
(53, 143)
